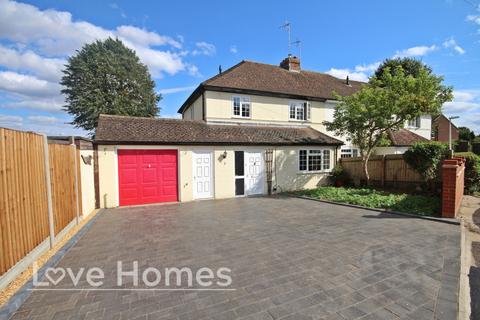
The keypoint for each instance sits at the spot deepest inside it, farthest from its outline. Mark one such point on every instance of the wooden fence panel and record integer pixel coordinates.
(23, 198)
(384, 169)
(62, 175)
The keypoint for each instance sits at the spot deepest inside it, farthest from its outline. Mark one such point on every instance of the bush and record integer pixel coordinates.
(472, 172)
(339, 176)
(426, 158)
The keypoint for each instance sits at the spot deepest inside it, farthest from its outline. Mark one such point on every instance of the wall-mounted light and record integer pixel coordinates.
(223, 155)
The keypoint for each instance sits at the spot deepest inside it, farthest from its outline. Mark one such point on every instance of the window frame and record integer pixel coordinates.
(349, 152)
(321, 152)
(243, 99)
(416, 125)
(305, 107)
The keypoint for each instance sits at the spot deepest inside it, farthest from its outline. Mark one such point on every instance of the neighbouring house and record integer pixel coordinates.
(400, 141)
(440, 128)
(253, 129)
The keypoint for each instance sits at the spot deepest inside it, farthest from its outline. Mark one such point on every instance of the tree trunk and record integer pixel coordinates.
(365, 169)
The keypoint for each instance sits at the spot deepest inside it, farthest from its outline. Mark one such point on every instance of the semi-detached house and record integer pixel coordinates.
(253, 129)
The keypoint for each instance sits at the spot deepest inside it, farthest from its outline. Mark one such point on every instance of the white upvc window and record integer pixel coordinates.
(414, 123)
(314, 160)
(348, 153)
(299, 111)
(241, 107)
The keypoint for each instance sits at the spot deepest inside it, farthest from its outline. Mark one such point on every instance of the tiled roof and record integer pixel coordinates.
(404, 137)
(267, 78)
(129, 130)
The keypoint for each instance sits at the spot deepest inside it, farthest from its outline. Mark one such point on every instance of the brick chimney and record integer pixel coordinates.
(291, 63)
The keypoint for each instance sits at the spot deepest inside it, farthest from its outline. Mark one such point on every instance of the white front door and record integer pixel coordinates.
(254, 173)
(202, 175)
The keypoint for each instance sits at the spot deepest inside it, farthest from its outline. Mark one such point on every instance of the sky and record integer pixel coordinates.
(184, 42)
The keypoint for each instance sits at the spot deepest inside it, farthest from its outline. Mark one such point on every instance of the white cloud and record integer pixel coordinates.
(26, 85)
(53, 32)
(451, 43)
(415, 51)
(233, 49)
(145, 38)
(10, 121)
(176, 90)
(204, 48)
(44, 119)
(474, 18)
(49, 105)
(193, 70)
(466, 105)
(367, 68)
(343, 73)
(45, 68)
(464, 95)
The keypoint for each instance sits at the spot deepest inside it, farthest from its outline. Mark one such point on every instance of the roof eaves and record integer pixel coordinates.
(263, 93)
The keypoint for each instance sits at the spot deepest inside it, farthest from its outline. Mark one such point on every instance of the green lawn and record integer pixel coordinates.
(416, 204)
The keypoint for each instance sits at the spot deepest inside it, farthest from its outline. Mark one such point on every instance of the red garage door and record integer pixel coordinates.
(147, 176)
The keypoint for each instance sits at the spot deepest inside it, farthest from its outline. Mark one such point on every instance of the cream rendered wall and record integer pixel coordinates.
(263, 109)
(425, 129)
(87, 183)
(286, 176)
(194, 111)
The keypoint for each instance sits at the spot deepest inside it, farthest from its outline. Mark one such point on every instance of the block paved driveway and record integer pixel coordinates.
(290, 259)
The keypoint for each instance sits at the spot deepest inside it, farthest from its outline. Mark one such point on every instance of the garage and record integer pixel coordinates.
(147, 176)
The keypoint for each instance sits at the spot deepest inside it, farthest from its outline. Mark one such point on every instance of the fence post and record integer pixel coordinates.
(384, 169)
(51, 223)
(75, 177)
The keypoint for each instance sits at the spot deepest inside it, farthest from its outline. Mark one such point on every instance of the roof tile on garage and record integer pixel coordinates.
(139, 130)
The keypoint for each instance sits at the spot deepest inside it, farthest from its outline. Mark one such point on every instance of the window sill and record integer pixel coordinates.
(295, 120)
(240, 117)
(300, 173)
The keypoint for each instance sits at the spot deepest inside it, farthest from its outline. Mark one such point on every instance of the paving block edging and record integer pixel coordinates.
(14, 303)
(410, 215)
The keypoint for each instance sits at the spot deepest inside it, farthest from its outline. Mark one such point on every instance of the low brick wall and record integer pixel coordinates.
(453, 177)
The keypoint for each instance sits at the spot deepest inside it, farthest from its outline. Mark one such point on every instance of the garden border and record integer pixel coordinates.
(411, 215)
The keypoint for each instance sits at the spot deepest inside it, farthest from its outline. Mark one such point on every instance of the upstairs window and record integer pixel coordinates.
(299, 111)
(348, 153)
(314, 160)
(241, 107)
(414, 123)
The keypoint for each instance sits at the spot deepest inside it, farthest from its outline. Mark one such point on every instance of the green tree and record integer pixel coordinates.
(384, 104)
(465, 134)
(410, 66)
(107, 77)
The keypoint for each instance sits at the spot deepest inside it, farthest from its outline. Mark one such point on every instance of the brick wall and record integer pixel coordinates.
(453, 177)
(440, 129)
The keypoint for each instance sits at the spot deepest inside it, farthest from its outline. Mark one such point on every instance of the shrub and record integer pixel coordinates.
(426, 158)
(472, 172)
(339, 176)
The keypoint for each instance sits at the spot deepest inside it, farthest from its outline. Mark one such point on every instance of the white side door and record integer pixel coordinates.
(254, 173)
(202, 175)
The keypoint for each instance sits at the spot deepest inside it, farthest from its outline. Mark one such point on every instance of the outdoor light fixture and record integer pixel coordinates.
(224, 155)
